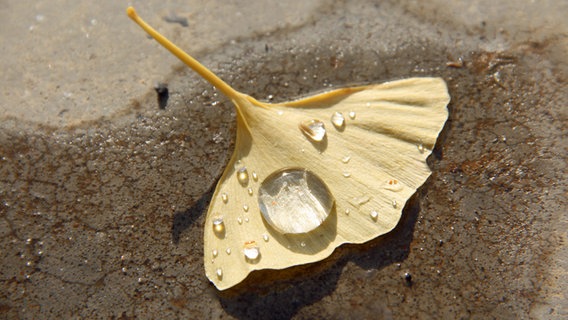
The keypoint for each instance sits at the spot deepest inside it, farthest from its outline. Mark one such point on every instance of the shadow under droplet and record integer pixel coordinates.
(320, 146)
(311, 242)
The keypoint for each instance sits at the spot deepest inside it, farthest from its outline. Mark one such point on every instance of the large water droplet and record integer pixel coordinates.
(313, 129)
(338, 120)
(251, 250)
(243, 176)
(294, 200)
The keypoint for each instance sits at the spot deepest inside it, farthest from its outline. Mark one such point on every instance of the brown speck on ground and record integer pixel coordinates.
(103, 194)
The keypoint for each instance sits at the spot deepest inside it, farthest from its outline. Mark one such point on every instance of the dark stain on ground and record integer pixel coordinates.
(115, 214)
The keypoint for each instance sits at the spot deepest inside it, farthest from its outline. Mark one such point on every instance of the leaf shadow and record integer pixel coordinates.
(283, 293)
(182, 220)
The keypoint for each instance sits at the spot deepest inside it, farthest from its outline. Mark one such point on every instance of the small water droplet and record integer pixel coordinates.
(359, 201)
(346, 159)
(421, 148)
(394, 204)
(240, 220)
(249, 190)
(347, 211)
(393, 185)
(302, 244)
(246, 219)
(228, 251)
(254, 176)
(368, 104)
(242, 176)
(224, 197)
(251, 251)
(313, 129)
(246, 208)
(408, 279)
(218, 225)
(238, 164)
(352, 115)
(338, 120)
(215, 253)
(265, 237)
(294, 200)
(374, 215)
(219, 273)
(346, 174)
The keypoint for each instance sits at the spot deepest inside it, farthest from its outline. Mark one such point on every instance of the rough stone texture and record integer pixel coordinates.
(101, 215)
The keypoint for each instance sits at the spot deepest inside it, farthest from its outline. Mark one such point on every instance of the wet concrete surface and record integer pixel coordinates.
(103, 218)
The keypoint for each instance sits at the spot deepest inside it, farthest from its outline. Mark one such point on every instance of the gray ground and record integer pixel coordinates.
(103, 194)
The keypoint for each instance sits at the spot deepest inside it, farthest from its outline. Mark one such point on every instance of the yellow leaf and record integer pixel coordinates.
(309, 175)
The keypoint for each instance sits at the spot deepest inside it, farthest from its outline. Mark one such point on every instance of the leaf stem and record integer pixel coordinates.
(186, 58)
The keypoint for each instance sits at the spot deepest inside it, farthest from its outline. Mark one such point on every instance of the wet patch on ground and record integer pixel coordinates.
(111, 212)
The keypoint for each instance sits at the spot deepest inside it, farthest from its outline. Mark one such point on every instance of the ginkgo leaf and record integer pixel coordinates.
(309, 175)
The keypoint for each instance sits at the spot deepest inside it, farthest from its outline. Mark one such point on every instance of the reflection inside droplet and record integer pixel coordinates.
(294, 200)
(421, 148)
(374, 215)
(313, 129)
(251, 250)
(242, 176)
(218, 225)
(338, 120)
